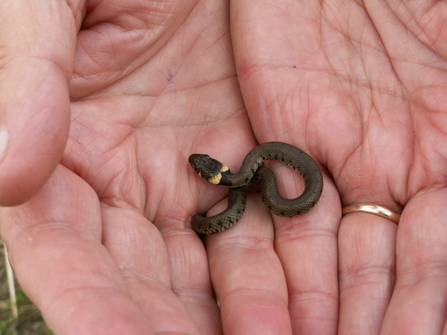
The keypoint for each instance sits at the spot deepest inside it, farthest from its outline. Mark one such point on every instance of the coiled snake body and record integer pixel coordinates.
(251, 173)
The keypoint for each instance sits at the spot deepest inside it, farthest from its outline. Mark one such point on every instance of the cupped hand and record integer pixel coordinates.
(361, 87)
(105, 246)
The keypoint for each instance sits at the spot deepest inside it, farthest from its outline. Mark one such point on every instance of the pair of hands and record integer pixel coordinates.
(105, 245)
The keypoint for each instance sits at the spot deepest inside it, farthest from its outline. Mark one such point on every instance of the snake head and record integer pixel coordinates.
(208, 168)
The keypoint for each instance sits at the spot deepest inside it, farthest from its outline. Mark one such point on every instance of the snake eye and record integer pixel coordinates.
(205, 166)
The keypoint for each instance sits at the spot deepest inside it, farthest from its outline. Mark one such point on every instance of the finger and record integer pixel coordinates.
(247, 275)
(55, 248)
(367, 272)
(142, 258)
(419, 301)
(36, 59)
(190, 279)
(307, 247)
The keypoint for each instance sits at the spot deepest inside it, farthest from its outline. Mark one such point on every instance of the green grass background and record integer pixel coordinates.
(30, 321)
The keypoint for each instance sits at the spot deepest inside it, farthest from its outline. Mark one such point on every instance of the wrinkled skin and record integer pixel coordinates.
(104, 103)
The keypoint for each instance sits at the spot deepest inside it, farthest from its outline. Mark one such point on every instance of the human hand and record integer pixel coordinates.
(36, 59)
(105, 247)
(360, 86)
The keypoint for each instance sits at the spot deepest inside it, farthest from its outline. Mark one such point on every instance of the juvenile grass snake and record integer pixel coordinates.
(252, 173)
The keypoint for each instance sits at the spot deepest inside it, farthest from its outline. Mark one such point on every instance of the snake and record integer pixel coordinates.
(253, 173)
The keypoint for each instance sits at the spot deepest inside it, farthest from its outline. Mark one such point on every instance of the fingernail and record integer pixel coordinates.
(4, 139)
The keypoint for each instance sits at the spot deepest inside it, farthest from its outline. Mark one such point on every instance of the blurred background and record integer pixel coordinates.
(22, 317)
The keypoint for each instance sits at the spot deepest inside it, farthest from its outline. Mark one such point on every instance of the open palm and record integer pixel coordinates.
(361, 86)
(106, 246)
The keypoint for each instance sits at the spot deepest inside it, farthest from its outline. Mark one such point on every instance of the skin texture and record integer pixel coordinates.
(105, 245)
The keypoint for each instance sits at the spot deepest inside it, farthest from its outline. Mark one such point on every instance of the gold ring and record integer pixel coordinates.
(382, 211)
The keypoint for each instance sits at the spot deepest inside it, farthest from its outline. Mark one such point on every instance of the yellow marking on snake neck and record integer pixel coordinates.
(218, 177)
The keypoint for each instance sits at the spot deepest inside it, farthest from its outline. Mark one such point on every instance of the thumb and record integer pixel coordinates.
(37, 44)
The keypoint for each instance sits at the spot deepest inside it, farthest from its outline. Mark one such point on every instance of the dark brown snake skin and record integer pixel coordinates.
(252, 173)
